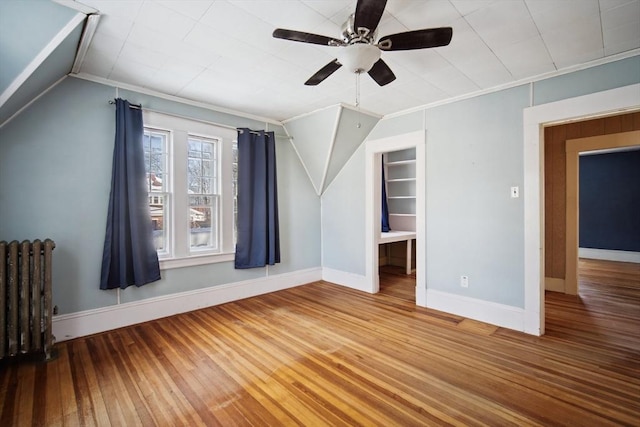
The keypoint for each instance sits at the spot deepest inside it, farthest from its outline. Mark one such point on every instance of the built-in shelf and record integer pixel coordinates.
(401, 179)
(400, 174)
(401, 162)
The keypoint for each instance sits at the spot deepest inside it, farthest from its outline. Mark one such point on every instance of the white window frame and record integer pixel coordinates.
(216, 194)
(166, 194)
(178, 252)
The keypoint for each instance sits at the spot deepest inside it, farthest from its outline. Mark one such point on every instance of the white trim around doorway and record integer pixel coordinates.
(614, 101)
(373, 178)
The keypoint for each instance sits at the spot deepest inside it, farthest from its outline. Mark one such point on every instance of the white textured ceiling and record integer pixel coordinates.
(222, 53)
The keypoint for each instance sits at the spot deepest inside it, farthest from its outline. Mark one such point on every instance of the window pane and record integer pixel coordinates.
(195, 147)
(158, 209)
(202, 187)
(234, 189)
(207, 151)
(203, 224)
(155, 158)
(194, 174)
(207, 186)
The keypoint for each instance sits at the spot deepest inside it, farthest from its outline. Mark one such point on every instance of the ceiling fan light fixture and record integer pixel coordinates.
(358, 52)
(359, 57)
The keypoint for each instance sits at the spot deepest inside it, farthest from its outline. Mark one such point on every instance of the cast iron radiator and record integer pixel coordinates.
(25, 298)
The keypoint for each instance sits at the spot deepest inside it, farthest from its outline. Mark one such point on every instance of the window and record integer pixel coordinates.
(202, 187)
(191, 178)
(156, 159)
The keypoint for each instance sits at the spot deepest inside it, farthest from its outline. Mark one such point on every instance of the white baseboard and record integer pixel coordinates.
(74, 325)
(485, 311)
(609, 255)
(421, 296)
(349, 280)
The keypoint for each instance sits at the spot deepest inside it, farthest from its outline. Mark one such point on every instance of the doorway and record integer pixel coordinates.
(373, 175)
(397, 240)
(573, 149)
(605, 103)
(562, 146)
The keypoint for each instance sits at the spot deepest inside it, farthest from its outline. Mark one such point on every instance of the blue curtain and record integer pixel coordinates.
(129, 256)
(385, 208)
(258, 242)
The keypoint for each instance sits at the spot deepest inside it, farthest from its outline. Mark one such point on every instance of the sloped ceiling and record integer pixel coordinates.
(38, 43)
(326, 139)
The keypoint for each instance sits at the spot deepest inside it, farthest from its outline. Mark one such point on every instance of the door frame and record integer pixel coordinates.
(373, 178)
(609, 102)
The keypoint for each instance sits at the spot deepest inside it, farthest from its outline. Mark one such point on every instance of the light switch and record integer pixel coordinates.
(515, 192)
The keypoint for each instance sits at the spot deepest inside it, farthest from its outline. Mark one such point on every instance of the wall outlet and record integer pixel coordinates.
(464, 281)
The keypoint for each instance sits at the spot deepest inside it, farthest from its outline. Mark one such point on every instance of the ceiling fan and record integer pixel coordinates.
(358, 51)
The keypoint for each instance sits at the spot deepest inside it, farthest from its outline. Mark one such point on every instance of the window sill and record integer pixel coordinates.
(170, 263)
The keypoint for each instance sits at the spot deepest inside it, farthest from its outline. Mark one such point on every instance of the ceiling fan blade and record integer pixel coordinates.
(419, 39)
(323, 73)
(381, 73)
(368, 14)
(299, 36)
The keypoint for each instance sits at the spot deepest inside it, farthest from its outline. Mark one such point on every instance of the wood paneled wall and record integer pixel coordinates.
(555, 138)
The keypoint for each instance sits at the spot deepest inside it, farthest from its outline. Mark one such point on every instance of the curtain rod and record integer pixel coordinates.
(134, 106)
(255, 132)
(139, 107)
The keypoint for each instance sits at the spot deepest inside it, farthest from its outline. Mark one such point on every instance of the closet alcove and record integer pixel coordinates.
(396, 247)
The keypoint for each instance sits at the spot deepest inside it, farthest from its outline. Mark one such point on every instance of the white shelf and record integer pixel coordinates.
(401, 162)
(401, 195)
(396, 236)
(401, 180)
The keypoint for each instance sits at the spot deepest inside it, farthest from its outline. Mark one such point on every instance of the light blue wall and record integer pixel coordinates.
(353, 128)
(26, 27)
(474, 228)
(343, 213)
(398, 125)
(54, 183)
(595, 79)
(55, 170)
(56, 66)
(186, 110)
(312, 136)
(299, 210)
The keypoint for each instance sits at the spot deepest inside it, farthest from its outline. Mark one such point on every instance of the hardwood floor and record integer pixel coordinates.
(394, 281)
(321, 354)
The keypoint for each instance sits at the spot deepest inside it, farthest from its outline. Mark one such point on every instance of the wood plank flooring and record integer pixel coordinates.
(394, 281)
(321, 355)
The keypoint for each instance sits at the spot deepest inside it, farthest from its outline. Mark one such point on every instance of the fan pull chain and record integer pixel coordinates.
(357, 90)
(358, 97)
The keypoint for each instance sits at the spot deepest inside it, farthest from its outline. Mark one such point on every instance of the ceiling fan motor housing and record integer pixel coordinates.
(351, 35)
